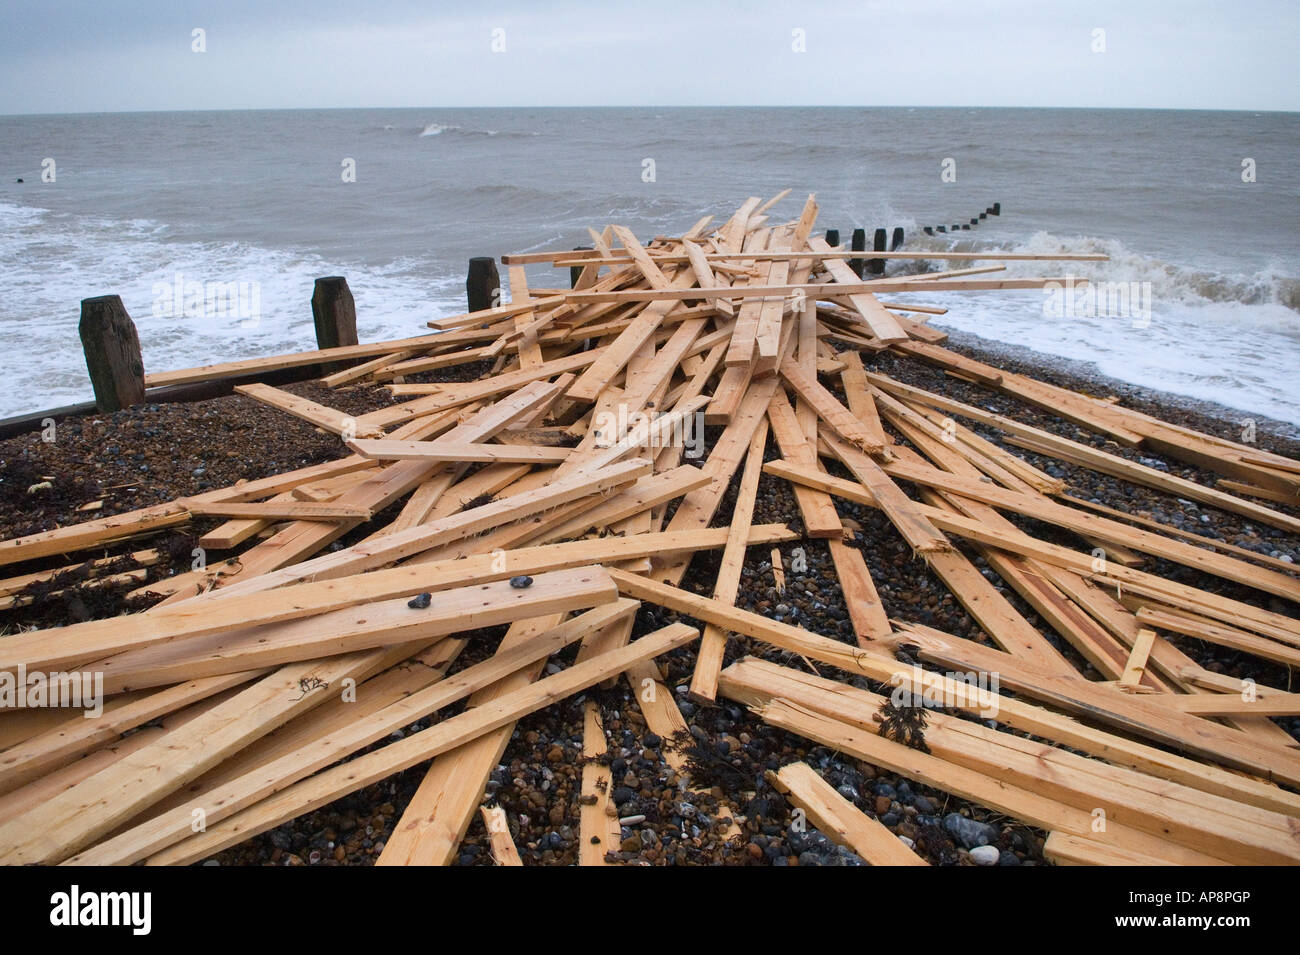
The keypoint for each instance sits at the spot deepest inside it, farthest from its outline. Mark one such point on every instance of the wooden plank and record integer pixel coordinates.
(1127, 579)
(838, 417)
(870, 622)
(499, 841)
(358, 773)
(1133, 713)
(698, 507)
(858, 395)
(93, 533)
(884, 325)
(1137, 661)
(598, 828)
(838, 819)
(1200, 820)
(912, 523)
(437, 451)
(815, 290)
(374, 624)
(565, 258)
(436, 819)
(488, 316)
(708, 661)
(1014, 801)
(94, 807)
(312, 412)
(1067, 804)
(530, 352)
(44, 752)
(1217, 633)
(366, 368)
(11, 586)
(881, 668)
(283, 511)
(166, 828)
(636, 251)
(1065, 848)
(444, 397)
(817, 509)
(1094, 526)
(250, 366)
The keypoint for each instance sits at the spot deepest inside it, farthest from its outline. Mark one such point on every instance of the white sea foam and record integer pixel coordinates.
(51, 262)
(1230, 339)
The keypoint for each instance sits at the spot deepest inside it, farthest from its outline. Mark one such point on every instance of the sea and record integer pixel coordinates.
(212, 226)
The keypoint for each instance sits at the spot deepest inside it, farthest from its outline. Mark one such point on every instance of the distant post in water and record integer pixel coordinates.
(335, 313)
(833, 237)
(483, 284)
(112, 349)
(877, 266)
(859, 244)
(897, 242)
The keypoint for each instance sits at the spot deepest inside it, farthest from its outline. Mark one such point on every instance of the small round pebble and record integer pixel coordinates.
(985, 855)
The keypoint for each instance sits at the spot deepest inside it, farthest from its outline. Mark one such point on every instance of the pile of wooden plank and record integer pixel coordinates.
(552, 489)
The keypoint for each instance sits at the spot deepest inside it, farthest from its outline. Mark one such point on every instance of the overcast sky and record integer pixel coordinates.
(105, 55)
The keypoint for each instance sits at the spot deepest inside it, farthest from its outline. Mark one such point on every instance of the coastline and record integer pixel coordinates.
(1210, 416)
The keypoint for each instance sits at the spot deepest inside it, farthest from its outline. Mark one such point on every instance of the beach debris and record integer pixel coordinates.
(609, 432)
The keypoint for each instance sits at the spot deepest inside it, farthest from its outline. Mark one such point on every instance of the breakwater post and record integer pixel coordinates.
(334, 312)
(112, 348)
(482, 284)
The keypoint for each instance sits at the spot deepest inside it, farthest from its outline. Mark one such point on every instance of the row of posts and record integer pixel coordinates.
(993, 210)
(112, 345)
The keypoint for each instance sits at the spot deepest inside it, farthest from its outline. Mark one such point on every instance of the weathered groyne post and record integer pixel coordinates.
(575, 271)
(112, 348)
(482, 284)
(859, 244)
(335, 313)
(878, 240)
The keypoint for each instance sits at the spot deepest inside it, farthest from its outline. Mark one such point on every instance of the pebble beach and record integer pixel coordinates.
(711, 803)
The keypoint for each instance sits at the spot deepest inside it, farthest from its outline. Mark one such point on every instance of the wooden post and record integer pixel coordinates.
(929, 230)
(995, 209)
(575, 271)
(112, 349)
(877, 266)
(483, 284)
(897, 242)
(832, 237)
(941, 228)
(335, 313)
(859, 245)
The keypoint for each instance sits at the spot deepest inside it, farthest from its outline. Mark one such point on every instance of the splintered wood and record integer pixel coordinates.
(546, 472)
